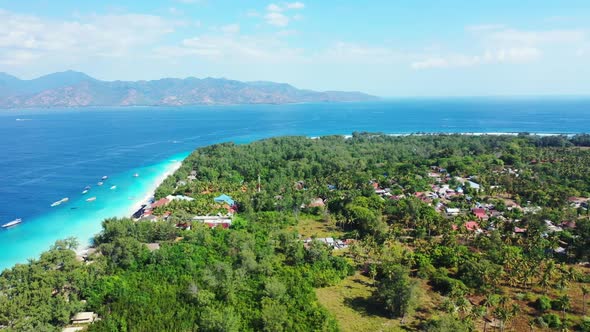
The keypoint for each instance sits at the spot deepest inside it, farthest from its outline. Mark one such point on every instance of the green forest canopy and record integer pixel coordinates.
(259, 275)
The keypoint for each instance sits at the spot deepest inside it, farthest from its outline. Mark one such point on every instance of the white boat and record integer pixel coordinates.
(136, 175)
(63, 200)
(85, 191)
(12, 223)
(105, 177)
(113, 187)
(100, 183)
(91, 199)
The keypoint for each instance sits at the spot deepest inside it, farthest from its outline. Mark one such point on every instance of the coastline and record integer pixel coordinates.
(83, 219)
(151, 191)
(36, 236)
(83, 248)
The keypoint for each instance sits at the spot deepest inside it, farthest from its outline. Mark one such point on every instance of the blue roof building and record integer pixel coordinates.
(224, 199)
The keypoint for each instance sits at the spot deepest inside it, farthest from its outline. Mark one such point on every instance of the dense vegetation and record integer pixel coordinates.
(517, 270)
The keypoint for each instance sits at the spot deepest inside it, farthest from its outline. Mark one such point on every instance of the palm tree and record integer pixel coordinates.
(585, 292)
(491, 300)
(479, 312)
(547, 276)
(565, 304)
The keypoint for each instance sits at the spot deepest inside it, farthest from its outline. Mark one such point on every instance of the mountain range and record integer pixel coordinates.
(76, 89)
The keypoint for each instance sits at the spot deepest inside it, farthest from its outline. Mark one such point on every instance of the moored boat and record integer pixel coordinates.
(63, 200)
(136, 175)
(105, 177)
(12, 223)
(113, 187)
(85, 191)
(100, 183)
(91, 199)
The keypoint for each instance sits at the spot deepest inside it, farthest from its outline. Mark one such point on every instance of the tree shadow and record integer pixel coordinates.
(364, 283)
(367, 306)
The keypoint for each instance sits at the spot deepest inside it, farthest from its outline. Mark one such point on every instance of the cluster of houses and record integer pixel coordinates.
(145, 213)
(329, 241)
(443, 193)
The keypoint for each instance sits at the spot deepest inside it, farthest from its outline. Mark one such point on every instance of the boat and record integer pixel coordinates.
(85, 191)
(87, 188)
(12, 223)
(105, 177)
(100, 183)
(113, 187)
(63, 200)
(135, 175)
(91, 199)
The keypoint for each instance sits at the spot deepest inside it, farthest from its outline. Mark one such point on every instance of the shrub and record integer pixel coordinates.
(552, 320)
(585, 325)
(543, 303)
(447, 285)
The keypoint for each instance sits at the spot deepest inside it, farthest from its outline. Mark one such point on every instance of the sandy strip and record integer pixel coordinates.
(152, 189)
(83, 248)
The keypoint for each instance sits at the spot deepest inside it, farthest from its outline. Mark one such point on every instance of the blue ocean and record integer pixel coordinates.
(50, 154)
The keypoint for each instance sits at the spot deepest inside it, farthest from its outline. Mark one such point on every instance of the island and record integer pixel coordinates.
(368, 232)
(75, 89)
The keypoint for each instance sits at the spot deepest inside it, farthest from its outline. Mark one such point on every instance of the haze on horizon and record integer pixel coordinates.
(386, 48)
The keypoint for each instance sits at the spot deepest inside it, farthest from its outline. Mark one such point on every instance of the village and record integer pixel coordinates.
(445, 191)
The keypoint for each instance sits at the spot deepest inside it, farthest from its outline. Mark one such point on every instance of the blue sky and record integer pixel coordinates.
(389, 48)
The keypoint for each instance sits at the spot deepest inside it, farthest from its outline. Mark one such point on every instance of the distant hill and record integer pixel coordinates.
(75, 89)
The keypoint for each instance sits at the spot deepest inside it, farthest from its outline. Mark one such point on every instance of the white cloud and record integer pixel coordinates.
(275, 14)
(175, 11)
(274, 8)
(430, 63)
(27, 37)
(295, 5)
(499, 44)
(511, 55)
(277, 19)
(353, 53)
(233, 48)
(520, 37)
(231, 28)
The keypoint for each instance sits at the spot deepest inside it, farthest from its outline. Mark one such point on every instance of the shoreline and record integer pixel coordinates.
(83, 249)
(151, 191)
(176, 163)
(465, 133)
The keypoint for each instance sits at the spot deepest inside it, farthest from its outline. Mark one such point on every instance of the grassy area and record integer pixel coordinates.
(316, 226)
(350, 302)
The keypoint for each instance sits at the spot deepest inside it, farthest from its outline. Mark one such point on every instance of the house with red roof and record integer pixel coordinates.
(472, 226)
(160, 202)
(480, 213)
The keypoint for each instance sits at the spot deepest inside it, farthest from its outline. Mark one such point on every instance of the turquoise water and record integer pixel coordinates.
(49, 154)
(80, 218)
